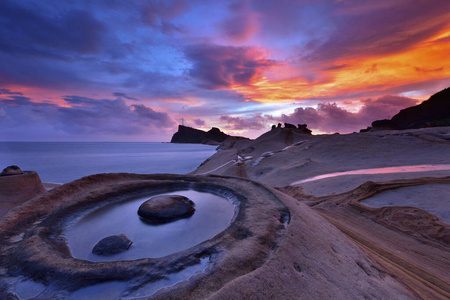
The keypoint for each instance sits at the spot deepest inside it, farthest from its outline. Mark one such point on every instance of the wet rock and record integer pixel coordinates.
(166, 208)
(111, 245)
(11, 170)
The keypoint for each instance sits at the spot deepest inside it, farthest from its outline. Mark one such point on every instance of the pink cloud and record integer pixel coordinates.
(256, 122)
(329, 117)
(242, 22)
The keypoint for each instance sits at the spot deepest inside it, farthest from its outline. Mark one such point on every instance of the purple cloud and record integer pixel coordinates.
(123, 95)
(256, 122)
(218, 67)
(199, 122)
(328, 117)
(158, 14)
(27, 30)
(86, 117)
(8, 92)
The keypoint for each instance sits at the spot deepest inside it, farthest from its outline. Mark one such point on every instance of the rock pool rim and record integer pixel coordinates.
(41, 251)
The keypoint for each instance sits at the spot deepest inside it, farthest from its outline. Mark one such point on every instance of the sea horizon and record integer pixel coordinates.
(65, 161)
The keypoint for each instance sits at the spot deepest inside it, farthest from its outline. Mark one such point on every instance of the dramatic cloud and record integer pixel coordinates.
(27, 30)
(242, 22)
(329, 117)
(255, 122)
(200, 60)
(86, 116)
(219, 67)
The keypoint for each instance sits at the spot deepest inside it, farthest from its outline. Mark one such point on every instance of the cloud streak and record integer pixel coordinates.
(85, 117)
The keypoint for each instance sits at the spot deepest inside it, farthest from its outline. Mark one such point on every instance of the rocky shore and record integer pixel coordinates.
(293, 236)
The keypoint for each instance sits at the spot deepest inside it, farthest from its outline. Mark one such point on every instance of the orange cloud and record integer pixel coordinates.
(426, 61)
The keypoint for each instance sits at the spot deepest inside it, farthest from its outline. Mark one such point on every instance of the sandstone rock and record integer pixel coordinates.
(11, 170)
(166, 208)
(288, 125)
(111, 245)
(187, 134)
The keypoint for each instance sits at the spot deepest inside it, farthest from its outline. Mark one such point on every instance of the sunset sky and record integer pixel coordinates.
(112, 70)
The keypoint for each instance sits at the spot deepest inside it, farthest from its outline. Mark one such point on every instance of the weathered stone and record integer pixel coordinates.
(166, 208)
(288, 125)
(11, 170)
(111, 245)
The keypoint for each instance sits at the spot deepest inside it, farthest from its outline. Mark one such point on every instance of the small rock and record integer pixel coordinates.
(11, 170)
(111, 245)
(166, 208)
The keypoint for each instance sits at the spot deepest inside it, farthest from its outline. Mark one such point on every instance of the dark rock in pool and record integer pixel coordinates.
(166, 208)
(111, 245)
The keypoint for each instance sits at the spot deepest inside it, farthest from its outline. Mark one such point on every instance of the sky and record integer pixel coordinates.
(111, 70)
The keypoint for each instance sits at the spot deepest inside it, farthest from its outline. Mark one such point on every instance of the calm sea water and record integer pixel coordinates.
(62, 162)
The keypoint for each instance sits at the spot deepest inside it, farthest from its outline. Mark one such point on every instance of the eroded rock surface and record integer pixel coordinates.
(275, 248)
(111, 245)
(11, 170)
(166, 208)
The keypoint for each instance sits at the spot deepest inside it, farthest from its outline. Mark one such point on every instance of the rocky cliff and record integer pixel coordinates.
(195, 136)
(433, 112)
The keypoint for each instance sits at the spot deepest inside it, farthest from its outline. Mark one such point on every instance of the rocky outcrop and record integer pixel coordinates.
(275, 247)
(301, 128)
(433, 112)
(189, 135)
(17, 187)
(111, 245)
(166, 208)
(11, 170)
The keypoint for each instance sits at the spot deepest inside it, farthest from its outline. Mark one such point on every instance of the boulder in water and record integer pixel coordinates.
(111, 245)
(166, 208)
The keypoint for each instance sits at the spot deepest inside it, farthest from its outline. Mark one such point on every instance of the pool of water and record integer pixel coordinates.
(212, 215)
(386, 170)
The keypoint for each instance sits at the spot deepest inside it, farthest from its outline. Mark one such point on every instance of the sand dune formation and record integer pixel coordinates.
(294, 236)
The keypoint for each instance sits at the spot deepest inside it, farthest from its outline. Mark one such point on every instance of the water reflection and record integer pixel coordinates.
(213, 214)
(386, 170)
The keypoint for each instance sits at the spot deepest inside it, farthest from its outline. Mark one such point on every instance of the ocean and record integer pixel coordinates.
(62, 162)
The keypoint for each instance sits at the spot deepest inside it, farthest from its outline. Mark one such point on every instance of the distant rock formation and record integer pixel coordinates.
(433, 112)
(287, 125)
(196, 136)
(302, 128)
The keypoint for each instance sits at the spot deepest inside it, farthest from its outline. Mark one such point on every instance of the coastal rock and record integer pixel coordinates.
(111, 245)
(16, 187)
(166, 208)
(433, 112)
(288, 125)
(195, 136)
(11, 170)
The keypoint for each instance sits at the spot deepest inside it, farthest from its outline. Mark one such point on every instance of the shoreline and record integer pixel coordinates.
(408, 242)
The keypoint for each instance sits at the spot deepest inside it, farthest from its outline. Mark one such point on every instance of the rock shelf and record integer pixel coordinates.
(274, 247)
